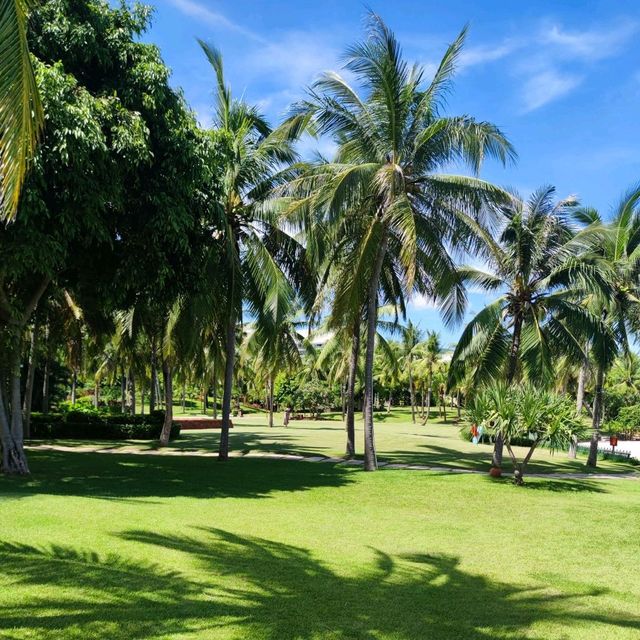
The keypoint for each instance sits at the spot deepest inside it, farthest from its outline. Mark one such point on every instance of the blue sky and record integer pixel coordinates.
(562, 79)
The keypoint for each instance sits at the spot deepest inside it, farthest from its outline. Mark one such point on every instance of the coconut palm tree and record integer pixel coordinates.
(392, 141)
(542, 266)
(618, 304)
(410, 347)
(21, 116)
(432, 353)
(275, 343)
(259, 258)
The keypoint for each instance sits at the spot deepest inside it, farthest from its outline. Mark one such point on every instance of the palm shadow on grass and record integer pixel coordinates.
(131, 477)
(265, 590)
(480, 460)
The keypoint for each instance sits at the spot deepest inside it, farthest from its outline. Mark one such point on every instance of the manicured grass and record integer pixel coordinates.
(123, 546)
(397, 439)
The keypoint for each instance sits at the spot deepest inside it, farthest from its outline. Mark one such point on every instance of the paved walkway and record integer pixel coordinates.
(133, 450)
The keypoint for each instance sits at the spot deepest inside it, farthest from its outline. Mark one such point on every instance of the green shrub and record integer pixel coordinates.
(79, 425)
(626, 423)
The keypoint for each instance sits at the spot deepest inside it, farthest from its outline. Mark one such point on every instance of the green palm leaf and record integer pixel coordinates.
(21, 117)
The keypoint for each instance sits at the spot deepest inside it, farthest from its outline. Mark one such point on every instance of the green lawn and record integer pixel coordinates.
(397, 440)
(129, 546)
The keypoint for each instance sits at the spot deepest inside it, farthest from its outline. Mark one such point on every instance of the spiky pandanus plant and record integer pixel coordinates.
(382, 200)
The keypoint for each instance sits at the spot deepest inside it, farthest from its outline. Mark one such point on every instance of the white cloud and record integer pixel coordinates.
(547, 85)
(295, 59)
(201, 12)
(472, 56)
(422, 302)
(590, 44)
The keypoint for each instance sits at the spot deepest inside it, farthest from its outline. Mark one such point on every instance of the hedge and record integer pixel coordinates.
(81, 426)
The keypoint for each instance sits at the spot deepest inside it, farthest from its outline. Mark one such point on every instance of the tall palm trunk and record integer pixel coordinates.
(215, 394)
(123, 392)
(412, 395)
(74, 386)
(429, 393)
(96, 393)
(132, 391)
(592, 460)
(582, 377)
(167, 378)
(230, 348)
(351, 389)
(512, 367)
(28, 392)
(370, 458)
(46, 385)
(270, 399)
(154, 378)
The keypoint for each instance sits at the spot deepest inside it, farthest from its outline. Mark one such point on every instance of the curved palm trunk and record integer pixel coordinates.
(592, 460)
(351, 387)
(230, 348)
(167, 375)
(370, 458)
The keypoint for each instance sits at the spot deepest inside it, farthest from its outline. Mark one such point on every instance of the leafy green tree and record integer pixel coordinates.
(385, 188)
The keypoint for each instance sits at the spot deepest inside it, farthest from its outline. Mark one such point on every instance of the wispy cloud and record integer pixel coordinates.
(472, 56)
(545, 86)
(295, 58)
(213, 18)
(591, 44)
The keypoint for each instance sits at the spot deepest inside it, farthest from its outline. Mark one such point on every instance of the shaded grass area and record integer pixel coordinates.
(98, 546)
(397, 440)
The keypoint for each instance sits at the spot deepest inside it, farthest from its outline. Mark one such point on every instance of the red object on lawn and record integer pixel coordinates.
(613, 441)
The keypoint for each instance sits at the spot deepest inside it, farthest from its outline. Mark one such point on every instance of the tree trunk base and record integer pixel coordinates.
(15, 462)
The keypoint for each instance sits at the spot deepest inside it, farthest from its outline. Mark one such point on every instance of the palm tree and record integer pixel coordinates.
(617, 305)
(258, 256)
(432, 353)
(391, 212)
(540, 265)
(21, 116)
(410, 345)
(275, 342)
